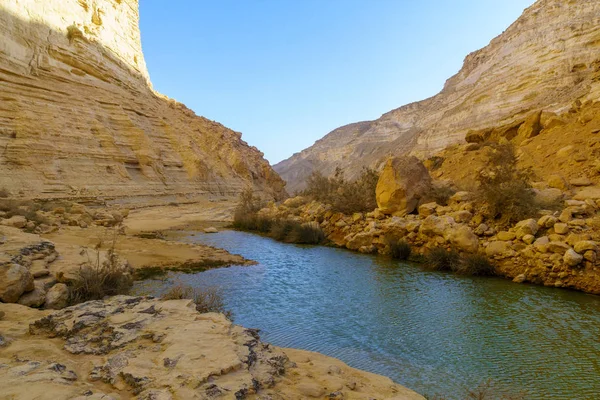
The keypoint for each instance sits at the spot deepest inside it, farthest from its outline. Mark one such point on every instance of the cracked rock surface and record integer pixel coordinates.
(144, 348)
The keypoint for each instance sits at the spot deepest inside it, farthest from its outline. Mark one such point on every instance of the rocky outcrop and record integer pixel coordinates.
(559, 248)
(402, 183)
(544, 61)
(79, 119)
(144, 348)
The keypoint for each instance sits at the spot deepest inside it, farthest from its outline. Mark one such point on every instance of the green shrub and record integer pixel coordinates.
(207, 299)
(440, 259)
(504, 192)
(399, 249)
(476, 264)
(344, 196)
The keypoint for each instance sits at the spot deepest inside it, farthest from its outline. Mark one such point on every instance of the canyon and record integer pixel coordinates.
(544, 61)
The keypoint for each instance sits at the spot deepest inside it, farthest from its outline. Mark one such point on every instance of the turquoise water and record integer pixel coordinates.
(432, 332)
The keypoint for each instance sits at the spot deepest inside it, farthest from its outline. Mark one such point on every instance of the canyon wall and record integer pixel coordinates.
(79, 118)
(546, 60)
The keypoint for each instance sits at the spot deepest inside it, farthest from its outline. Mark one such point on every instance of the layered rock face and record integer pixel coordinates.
(545, 61)
(78, 116)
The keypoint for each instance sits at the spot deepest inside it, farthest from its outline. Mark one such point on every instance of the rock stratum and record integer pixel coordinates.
(545, 61)
(79, 118)
(144, 348)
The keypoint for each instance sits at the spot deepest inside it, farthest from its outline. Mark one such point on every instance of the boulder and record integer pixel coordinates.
(548, 196)
(520, 278)
(586, 245)
(57, 297)
(529, 239)
(558, 247)
(15, 280)
(557, 182)
(572, 258)
(462, 216)
(547, 221)
(506, 236)
(498, 248)
(402, 183)
(459, 197)
(436, 226)
(16, 221)
(530, 128)
(561, 228)
(526, 227)
(35, 298)
(427, 209)
(362, 239)
(464, 239)
(211, 229)
(581, 181)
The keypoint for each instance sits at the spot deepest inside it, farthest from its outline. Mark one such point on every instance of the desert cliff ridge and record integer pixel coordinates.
(545, 61)
(79, 118)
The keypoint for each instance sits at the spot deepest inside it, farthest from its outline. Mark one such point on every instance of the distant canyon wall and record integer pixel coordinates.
(546, 60)
(79, 118)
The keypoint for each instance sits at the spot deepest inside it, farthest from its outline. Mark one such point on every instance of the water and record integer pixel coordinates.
(432, 332)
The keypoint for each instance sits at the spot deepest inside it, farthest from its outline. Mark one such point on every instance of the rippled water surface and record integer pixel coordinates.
(432, 332)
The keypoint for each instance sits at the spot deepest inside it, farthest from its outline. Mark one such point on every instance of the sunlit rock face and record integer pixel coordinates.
(79, 118)
(546, 60)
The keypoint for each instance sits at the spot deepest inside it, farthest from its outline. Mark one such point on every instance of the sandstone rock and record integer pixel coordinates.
(464, 239)
(57, 297)
(459, 197)
(529, 239)
(572, 259)
(585, 245)
(565, 216)
(402, 183)
(462, 217)
(498, 248)
(592, 192)
(561, 228)
(548, 196)
(526, 227)
(115, 136)
(582, 181)
(35, 298)
(542, 244)
(591, 256)
(14, 281)
(16, 221)
(427, 209)
(481, 229)
(547, 221)
(558, 247)
(436, 226)
(359, 240)
(558, 182)
(295, 202)
(530, 128)
(506, 236)
(211, 229)
(520, 278)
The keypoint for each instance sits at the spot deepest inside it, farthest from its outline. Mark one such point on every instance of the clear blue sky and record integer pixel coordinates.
(286, 72)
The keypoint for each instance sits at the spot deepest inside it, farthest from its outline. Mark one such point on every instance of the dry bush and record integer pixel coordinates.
(440, 259)
(438, 194)
(97, 279)
(309, 233)
(245, 216)
(504, 192)
(399, 249)
(4, 193)
(477, 265)
(207, 299)
(344, 196)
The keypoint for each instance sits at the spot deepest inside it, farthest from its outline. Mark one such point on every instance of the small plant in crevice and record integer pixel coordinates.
(207, 300)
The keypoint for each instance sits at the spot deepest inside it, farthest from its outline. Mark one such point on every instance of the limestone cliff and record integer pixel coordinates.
(78, 116)
(544, 61)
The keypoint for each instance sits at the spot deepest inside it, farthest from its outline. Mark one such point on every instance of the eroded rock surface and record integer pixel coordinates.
(144, 348)
(78, 116)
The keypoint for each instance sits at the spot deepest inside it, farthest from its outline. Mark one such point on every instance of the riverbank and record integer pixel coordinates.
(150, 348)
(557, 248)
